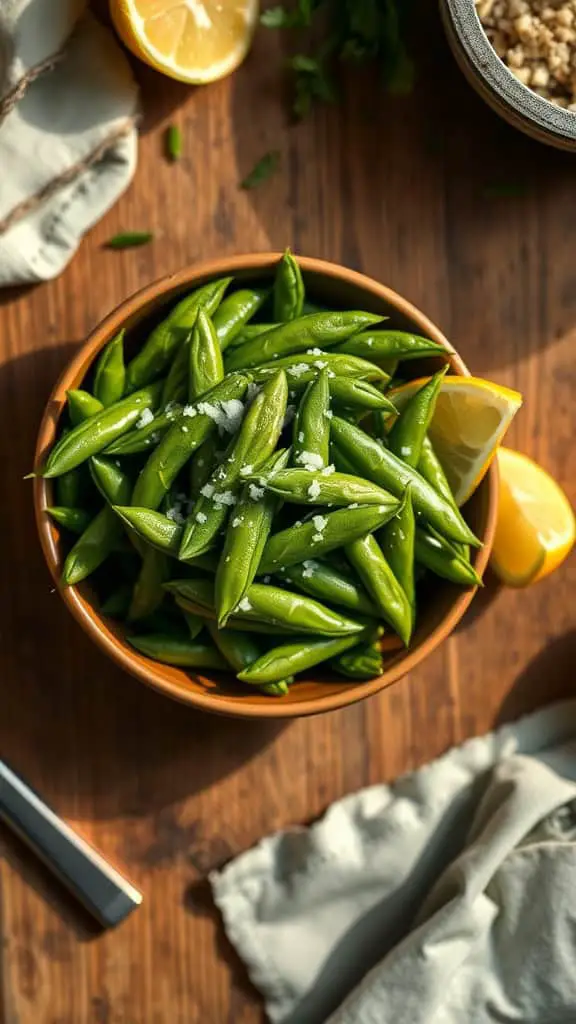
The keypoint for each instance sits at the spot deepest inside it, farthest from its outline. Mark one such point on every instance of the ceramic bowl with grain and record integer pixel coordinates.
(315, 691)
(497, 85)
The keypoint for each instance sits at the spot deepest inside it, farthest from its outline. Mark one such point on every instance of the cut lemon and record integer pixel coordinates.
(536, 529)
(194, 41)
(469, 422)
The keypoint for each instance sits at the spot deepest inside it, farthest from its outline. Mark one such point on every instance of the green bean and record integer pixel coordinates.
(203, 464)
(305, 487)
(251, 331)
(311, 435)
(374, 462)
(380, 345)
(188, 432)
(175, 387)
(148, 592)
(254, 443)
(110, 375)
(179, 651)
(102, 534)
(430, 468)
(246, 536)
(302, 369)
(95, 434)
(270, 605)
(292, 657)
(317, 329)
(143, 439)
(435, 553)
(82, 406)
(117, 603)
(206, 365)
(288, 289)
(362, 662)
(195, 624)
(359, 394)
(379, 580)
(397, 541)
(328, 584)
(234, 312)
(240, 651)
(323, 533)
(407, 435)
(156, 353)
(73, 519)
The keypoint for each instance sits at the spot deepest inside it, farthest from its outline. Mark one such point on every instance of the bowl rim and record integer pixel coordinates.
(461, 17)
(87, 616)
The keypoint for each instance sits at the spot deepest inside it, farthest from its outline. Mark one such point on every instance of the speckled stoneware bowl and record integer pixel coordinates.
(317, 690)
(490, 77)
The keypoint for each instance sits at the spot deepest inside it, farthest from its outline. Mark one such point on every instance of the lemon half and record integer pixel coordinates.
(195, 41)
(471, 417)
(536, 528)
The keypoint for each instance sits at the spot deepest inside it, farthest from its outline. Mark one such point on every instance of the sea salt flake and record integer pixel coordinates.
(298, 369)
(314, 352)
(207, 490)
(175, 515)
(189, 410)
(405, 450)
(200, 517)
(224, 498)
(146, 417)
(236, 521)
(310, 460)
(301, 437)
(244, 605)
(320, 522)
(246, 470)
(317, 537)
(328, 414)
(314, 489)
(354, 505)
(255, 492)
(321, 364)
(328, 470)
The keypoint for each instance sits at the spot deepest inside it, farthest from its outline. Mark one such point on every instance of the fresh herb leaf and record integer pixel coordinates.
(264, 169)
(129, 239)
(173, 142)
(348, 31)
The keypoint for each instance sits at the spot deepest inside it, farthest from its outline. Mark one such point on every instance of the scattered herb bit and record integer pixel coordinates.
(505, 190)
(264, 169)
(347, 31)
(129, 239)
(173, 142)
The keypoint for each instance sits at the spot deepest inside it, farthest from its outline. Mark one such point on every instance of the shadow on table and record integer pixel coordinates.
(94, 741)
(549, 677)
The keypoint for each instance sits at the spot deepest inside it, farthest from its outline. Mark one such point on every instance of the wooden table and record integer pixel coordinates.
(408, 191)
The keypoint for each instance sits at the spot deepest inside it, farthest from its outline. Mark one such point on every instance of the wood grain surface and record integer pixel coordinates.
(408, 191)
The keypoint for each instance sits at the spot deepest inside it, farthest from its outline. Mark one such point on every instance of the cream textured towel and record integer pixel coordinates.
(68, 143)
(446, 898)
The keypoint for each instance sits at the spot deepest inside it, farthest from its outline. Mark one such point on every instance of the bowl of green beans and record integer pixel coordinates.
(231, 504)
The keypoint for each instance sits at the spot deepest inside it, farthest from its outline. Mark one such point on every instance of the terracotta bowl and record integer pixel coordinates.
(442, 609)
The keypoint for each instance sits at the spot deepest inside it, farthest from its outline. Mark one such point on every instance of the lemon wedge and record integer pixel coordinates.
(469, 422)
(194, 41)
(536, 528)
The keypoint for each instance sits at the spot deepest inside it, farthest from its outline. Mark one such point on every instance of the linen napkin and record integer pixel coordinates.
(68, 143)
(447, 897)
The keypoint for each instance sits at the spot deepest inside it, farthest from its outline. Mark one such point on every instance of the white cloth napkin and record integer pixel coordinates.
(446, 898)
(68, 143)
